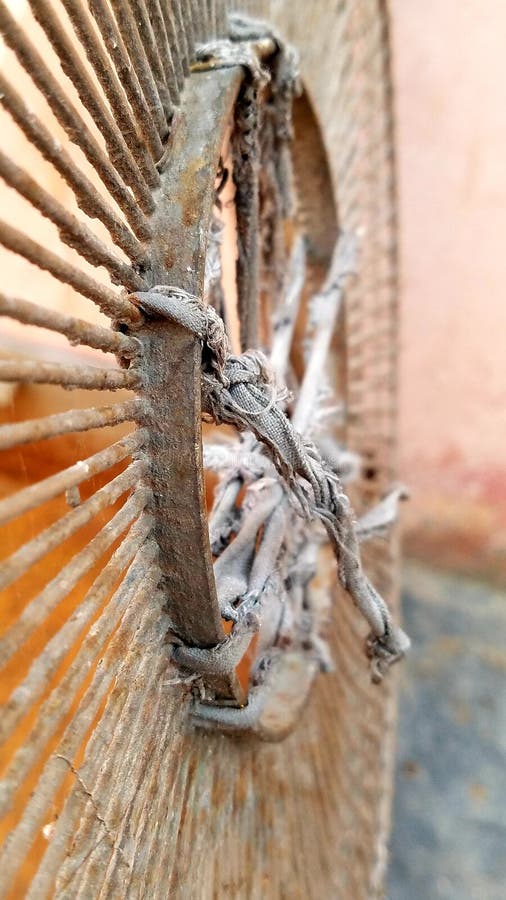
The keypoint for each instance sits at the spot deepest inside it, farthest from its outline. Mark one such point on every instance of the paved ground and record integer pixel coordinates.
(449, 835)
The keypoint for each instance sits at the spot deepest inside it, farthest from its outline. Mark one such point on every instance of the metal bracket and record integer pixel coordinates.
(172, 360)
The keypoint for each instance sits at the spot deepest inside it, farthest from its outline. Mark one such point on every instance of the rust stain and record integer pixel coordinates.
(191, 191)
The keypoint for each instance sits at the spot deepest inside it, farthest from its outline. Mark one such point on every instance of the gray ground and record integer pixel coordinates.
(449, 833)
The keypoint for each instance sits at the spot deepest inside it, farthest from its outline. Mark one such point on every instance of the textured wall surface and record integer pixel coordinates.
(450, 71)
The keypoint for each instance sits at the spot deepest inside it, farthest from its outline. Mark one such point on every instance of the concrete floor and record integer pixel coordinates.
(449, 832)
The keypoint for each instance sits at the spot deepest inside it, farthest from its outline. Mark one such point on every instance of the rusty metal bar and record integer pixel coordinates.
(175, 12)
(166, 852)
(188, 26)
(118, 53)
(72, 232)
(91, 99)
(199, 19)
(113, 90)
(70, 120)
(71, 420)
(178, 258)
(87, 196)
(154, 806)
(124, 717)
(138, 721)
(37, 611)
(109, 302)
(89, 377)
(16, 565)
(116, 719)
(221, 18)
(77, 331)
(139, 798)
(36, 494)
(211, 18)
(61, 699)
(163, 74)
(59, 763)
(149, 43)
(14, 851)
(129, 769)
(136, 544)
(172, 68)
(130, 34)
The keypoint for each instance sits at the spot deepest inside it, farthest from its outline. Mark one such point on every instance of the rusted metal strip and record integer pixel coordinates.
(131, 715)
(46, 664)
(199, 19)
(16, 565)
(70, 120)
(172, 70)
(211, 19)
(113, 90)
(92, 100)
(221, 18)
(130, 34)
(163, 14)
(172, 359)
(108, 300)
(154, 49)
(36, 811)
(87, 196)
(89, 377)
(69, 421)
(36, 494)
(72, 232)
(246, 160)
(141, 800)
(37, 611)
(132, 719)
(76, 330)
(60, 762)
(119, 55)
(184, 41)
(144, 572)
(188, 26)
(142, 722)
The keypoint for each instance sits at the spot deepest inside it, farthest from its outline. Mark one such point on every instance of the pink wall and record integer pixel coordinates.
(450, 77)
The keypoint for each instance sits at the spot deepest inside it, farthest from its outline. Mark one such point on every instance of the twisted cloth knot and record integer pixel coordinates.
(188, 311)
(242, 391)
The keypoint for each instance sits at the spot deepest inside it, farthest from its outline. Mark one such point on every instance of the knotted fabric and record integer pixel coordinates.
(241, 391)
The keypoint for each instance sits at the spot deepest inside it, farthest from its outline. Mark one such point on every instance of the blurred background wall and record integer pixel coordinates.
(450, 77)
